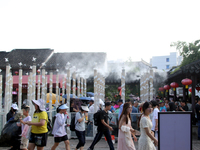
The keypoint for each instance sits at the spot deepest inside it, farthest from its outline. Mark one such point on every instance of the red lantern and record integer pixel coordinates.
(161, 89)
(16, 72)
(119, 88)
(167, 87)
(190, 89)
(174, 85)
(198, 89)
(72, 88)
(186, 82)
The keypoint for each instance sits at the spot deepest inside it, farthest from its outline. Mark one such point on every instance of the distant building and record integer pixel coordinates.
(165, 63)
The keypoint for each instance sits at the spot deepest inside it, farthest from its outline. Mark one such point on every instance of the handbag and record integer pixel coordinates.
(26, 131)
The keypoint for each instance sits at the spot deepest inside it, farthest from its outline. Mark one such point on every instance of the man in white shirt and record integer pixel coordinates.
(155, 118)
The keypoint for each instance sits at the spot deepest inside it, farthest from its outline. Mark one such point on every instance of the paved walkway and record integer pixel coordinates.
(102, 145)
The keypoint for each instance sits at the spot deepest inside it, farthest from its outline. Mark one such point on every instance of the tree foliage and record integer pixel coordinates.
(189, 51)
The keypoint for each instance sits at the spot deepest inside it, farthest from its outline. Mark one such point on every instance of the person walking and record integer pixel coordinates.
(13, 111)
(103, 128)
(155, 118)
(80, 126)
(197, 108)
(59, 130)
(125, 141)
(146, 139)
(120, 103)
(39, 131)
(24, 140)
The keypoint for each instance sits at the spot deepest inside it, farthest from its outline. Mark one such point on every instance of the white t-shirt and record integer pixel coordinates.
(155, 116)
(28, 118)
(80, 126)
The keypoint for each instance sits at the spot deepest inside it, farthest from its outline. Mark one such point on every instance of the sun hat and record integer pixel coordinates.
(85, 108)
(14, 106)
(64, 106)
(40, 103)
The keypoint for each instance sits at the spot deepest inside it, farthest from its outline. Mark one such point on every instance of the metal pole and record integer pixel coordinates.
(50, 94)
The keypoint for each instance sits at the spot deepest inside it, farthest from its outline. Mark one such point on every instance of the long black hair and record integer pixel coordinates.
(124, 112)
(144, 107)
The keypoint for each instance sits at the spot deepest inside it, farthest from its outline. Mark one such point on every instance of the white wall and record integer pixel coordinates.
(161, 63)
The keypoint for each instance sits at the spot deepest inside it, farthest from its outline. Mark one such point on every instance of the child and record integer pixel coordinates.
(59, 130)
(24, 140)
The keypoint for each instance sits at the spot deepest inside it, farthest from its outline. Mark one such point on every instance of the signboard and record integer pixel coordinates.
(174, 131)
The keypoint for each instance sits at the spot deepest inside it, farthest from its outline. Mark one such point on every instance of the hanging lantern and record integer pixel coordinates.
(119, 88)
(161, 89)
(174, 85)
(198, 89)
(167, 87)
(16, 72)
(186, 82)
(190, 89)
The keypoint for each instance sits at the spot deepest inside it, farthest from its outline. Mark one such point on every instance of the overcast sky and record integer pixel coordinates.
(135, 28)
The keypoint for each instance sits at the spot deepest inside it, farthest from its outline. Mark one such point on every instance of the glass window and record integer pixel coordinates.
(167, 66)
(167, 59)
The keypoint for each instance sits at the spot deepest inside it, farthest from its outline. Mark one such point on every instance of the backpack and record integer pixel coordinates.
(49, 125)
(73, 124)
(96, 118)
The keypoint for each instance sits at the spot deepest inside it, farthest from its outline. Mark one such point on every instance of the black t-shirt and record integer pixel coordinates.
(197, 108)
(103, 115)
(71, 109)
(184, 108)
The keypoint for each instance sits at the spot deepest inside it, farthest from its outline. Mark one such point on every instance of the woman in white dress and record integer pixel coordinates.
(146, 139)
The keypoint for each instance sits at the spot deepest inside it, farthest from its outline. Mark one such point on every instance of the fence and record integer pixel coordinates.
(90, 129)
(113, 122)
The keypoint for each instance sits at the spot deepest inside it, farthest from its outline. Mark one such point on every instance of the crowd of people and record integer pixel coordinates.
(145, 119)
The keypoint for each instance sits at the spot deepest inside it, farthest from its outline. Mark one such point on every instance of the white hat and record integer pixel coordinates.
(85, 108)
(101, 102)
(40, 104)
(14, 106)
(64, 106)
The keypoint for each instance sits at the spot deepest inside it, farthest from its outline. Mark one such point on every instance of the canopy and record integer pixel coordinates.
(53, 98)
(90, 94)
(71, 96)
(85, 98)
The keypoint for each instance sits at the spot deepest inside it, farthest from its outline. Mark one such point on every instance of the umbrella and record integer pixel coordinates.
(53, 98)
(90, 94)
(85, 98)
(71, 96)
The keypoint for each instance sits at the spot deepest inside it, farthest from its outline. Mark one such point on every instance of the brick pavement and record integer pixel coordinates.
(102, 145)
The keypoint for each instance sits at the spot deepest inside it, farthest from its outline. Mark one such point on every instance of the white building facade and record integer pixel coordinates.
(165, 63)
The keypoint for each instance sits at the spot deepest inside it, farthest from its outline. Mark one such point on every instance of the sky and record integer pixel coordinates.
(121, 28)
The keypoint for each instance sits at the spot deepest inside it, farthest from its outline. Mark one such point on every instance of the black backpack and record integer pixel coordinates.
(96, 118)
(73, 124)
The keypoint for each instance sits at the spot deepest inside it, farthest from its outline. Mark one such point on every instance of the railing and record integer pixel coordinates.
(113, 122)
(90, 129)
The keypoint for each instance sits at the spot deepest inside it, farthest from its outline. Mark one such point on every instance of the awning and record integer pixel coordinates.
(25, 81)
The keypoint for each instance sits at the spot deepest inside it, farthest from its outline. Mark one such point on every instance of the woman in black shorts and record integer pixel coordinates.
(59, 130)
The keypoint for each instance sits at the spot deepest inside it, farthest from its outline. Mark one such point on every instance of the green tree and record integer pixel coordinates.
(189, 51)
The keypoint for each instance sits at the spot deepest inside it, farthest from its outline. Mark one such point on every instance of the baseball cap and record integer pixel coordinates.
(14, 106)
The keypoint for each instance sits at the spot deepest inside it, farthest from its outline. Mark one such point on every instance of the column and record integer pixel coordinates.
(123, 85)
(74, 84)
(81, 86)
(38, 85)
(63, 89)
(78, 86)
(95, 90)
(50, 94)
(1, 109)
(57, 88)
(43, 84)
(68, 87)
(20, 88)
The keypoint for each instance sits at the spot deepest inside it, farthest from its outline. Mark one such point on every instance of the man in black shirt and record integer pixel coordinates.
(197, 108)
(183, 106)
(103, 128)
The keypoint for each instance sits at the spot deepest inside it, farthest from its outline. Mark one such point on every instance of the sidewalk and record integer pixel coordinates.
(102, 145)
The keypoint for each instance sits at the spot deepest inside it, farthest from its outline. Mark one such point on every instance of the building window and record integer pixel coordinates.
(167, 59)
(167, 66)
